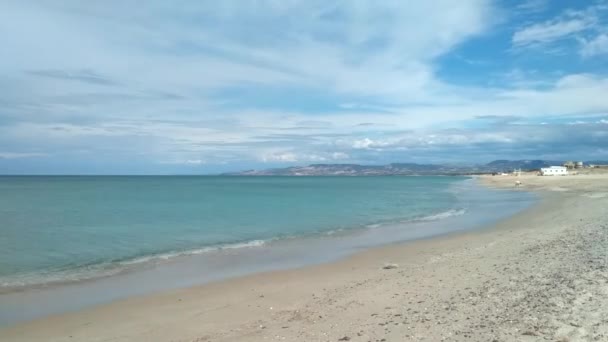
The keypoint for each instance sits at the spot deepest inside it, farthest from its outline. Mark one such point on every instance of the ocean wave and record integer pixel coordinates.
(105, 269)
(444, 215)
(333, 232)
(55, 277)
(197, 251)
(115, 267)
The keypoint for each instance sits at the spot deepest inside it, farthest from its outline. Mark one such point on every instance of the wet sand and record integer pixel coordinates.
(540, 275)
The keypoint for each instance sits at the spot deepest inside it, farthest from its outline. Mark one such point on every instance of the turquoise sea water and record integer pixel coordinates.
(129, 236)
(61, 228)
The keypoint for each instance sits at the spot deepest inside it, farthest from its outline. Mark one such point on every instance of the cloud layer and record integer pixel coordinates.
(205, 86)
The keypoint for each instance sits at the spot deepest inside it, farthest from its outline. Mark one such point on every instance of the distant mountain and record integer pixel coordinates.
(405, 169)
(348, 170)
(399, 169)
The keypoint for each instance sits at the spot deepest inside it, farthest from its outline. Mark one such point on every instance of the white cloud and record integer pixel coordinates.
(339, 156)
(302, 157)
(363, 143)
(429, 139)
(550, 31)
(596, 46)
(19, 155)
(155, 81)
(574, 25)
(363, 47)
(280, 157)
(192, 162)
(247, 135)
(533, 5)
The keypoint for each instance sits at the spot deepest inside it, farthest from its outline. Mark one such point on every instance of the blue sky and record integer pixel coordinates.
(209, 86)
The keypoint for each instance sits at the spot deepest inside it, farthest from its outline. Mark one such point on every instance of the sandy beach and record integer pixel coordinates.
(540, 275)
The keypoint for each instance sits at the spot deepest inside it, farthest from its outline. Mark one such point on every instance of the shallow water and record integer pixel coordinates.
(62, 228)
(298, 221)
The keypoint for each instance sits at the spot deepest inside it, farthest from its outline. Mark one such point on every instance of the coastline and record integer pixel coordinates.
(204, 234)
(472, 284)
(474, 207)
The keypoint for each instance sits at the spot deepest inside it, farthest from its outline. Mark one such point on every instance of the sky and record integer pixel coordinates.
(202, 87)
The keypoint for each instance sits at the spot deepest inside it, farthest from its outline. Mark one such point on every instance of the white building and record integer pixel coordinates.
(554, 171)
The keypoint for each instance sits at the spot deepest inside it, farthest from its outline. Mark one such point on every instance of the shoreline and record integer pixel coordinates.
(475, 207)
(106, 269)
(358, 298)
(111, 266)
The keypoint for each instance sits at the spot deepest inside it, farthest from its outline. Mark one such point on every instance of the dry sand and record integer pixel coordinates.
(541, 275)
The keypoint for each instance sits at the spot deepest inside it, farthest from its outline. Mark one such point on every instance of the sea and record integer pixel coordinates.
(95, 239)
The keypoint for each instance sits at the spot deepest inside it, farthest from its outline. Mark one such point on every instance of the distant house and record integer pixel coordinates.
(570, 164)
(554, 171)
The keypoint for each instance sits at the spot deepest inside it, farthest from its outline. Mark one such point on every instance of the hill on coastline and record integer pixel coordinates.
(399, 169)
